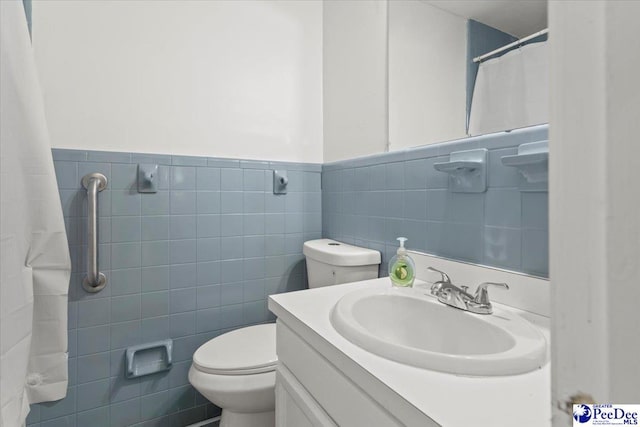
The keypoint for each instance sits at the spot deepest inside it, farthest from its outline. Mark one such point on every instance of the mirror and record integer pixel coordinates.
(432, 76)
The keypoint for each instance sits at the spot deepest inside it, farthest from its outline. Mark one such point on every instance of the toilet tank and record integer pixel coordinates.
(331, 263)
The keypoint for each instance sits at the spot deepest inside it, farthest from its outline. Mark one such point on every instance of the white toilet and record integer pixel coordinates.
(236, 371)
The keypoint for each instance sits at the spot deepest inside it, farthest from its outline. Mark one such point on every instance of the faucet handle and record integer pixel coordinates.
(443, 276)
(482, 296)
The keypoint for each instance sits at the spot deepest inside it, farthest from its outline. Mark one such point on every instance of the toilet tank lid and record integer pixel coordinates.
(340, 254)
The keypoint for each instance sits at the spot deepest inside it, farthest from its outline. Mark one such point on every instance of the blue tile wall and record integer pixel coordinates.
(28, 12)
(370, 201)
(200, 256)
(192, 261)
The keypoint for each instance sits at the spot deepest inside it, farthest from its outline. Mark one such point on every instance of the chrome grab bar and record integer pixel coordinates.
(94, 281)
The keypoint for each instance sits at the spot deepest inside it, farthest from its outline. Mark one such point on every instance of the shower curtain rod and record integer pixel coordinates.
(510, 45)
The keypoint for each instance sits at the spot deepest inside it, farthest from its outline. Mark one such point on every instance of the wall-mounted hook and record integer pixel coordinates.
(280, 182)
(147, 178)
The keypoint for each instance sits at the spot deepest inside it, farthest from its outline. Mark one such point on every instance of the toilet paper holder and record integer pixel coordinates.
(149, 358)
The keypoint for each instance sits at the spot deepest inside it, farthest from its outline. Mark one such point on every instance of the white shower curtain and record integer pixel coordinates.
(34, 256)
(511, 91)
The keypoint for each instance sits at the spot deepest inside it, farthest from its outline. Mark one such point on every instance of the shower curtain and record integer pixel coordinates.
(511, 91)
(34, 256)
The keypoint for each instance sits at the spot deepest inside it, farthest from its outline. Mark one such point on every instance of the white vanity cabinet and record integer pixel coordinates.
(325, 380)
(313, 390)
(296, 407)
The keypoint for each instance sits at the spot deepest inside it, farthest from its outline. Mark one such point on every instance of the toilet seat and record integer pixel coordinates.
(245, 351)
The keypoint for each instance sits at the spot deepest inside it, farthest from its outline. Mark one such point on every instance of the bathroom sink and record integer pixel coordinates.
(412, 328)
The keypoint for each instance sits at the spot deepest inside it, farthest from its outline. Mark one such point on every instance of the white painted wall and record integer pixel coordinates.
(355, 78)
(594, 202)
(210, 78)
(427, 74)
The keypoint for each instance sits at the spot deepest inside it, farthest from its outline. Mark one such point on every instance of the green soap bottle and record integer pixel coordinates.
(402, 269)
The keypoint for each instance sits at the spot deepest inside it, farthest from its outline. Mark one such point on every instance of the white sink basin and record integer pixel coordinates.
(410, 327)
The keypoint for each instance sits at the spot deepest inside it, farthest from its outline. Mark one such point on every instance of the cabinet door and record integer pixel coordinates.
(295, 407)
(341, 398)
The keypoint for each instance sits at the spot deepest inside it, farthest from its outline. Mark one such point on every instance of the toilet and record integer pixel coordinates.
(236, 370)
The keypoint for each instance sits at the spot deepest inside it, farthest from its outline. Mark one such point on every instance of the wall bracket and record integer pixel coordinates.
(467, 171)
(532, 161)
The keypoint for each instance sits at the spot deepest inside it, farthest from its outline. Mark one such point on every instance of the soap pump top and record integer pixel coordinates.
(401, 267)
(401, 250)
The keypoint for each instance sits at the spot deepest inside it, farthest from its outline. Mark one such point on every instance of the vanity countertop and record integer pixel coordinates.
(447, 399)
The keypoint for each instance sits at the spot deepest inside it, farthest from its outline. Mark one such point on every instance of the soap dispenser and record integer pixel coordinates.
(402, 269)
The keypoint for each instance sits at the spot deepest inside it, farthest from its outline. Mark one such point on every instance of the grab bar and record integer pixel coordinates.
(94, 281)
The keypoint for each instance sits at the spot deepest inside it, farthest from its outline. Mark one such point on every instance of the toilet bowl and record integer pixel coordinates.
(236, 371)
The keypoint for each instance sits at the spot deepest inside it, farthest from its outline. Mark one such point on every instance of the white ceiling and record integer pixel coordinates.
(516, 17)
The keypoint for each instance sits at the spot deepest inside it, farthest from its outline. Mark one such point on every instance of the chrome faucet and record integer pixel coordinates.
(459, 297)
(443, 283)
